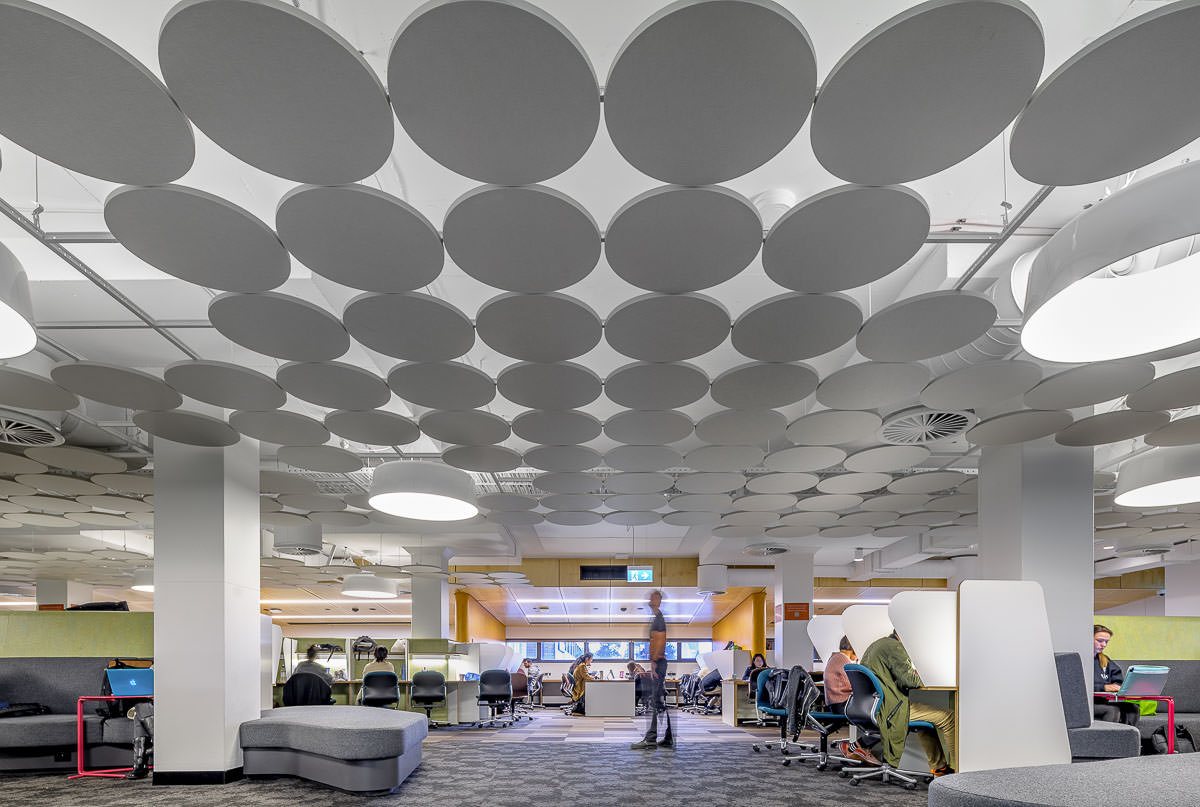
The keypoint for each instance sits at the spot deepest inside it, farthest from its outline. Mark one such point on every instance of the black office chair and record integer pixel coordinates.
(380, 688)
(710, 692)
(307, 689)
(803, 701)
(518, 707)
(862, 710)
(567, 688)
(427, 691)
(495, 690)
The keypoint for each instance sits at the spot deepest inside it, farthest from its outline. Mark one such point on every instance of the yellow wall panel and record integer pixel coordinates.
(70, 634)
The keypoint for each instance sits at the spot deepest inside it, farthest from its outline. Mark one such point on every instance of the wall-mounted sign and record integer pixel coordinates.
(795, 611)
(639, 574)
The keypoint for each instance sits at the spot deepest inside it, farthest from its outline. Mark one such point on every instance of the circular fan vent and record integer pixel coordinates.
(922, 425)
(23, 431)
(765, 550)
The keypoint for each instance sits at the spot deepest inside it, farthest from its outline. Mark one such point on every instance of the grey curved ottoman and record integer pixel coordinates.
(1131, 782)
(356, 748)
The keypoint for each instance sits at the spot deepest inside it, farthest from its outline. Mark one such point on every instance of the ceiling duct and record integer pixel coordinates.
(919, 425)
(305, 540)
(765, 549)
(1004, 338)
(22, 431)
(712, 578)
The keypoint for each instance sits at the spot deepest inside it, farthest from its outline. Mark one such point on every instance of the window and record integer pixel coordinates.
(524, 650)
(691, 650)
(609, 651)
(561, 651)
(641, 651)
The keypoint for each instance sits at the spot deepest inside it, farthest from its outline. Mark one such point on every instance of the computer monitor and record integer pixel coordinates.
(131, 682)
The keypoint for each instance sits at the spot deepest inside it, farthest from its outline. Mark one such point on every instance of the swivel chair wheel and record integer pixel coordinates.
(822, 766)
(844, 775)
(755, 747)
(911, 786)
(854, 783)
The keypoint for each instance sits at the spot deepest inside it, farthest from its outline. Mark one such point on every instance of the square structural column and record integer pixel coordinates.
(206, 609)
(63, 593)
(1035, 523)
(430, 594)
(793, 608)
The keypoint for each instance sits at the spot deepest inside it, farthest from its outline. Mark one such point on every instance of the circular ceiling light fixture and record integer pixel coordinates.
(143, 580)
(1160, 478)
(17, 334)
(1077, 310)
(426, 491)
(369, 587)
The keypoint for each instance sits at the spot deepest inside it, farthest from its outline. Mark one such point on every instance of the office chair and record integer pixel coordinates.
(520, 693)
(495, 690)
(642, 687)
(802, 700)
(535, 691)
(380, 688)
(762, 702)
(710, 691)
(428, 690)
(568, 690)
(862, 710)
(306, 689)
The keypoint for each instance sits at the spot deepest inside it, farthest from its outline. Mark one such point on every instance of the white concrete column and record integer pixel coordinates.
(1035, 523)
(430, 595)
(62, 592)
(206, 610)
(793, 586)
(1182, 587)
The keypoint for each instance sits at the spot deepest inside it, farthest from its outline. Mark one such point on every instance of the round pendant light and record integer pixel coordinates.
(143, 580)
(17, 334)
(426, 491)
(368, 587)
(1160, 478)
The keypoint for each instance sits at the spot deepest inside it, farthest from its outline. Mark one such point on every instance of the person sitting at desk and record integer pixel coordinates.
(892, 665)
(310, 665)
(634, 669)
(759, 662)
(1107, 676)
(380, 664)
(837, 685)
(579, 688)
(533, 674)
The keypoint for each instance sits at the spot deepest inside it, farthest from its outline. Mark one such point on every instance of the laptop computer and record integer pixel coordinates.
(1143, 680)
(131, 683)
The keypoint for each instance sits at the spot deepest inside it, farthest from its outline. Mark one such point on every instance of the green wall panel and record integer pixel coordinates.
(1153, 637)
(76, 634)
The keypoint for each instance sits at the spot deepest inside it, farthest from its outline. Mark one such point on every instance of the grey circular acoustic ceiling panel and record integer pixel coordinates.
(11, 488)
(1111, 427)
(279, 326)
(653, 385)
(562, 459)
(1090, 384)
(883, 116)
(928, 482)
(845, 237)
(516, 518)
(792, 531)
(506, 501)
(632, 518)
(563, 385)
(886, 458)
(675, 239)
(571, 501)
(750, 518)
(568, 483)
(442, 385)
(198, 237)
(723, 458)
(485, 459)
(765, 501)
(733, 426)
(791, 327)
(339, 519)
(104, 520)
(279, 426)
(409, 326)
(981, 384)
(556, 427)
(126, 483)
(224, 384)
(1068, 134)
(312, 501)
(753, 60)
(470, 427)
(1176, 390)
(335, 385)
(638, 483)
(704, 502)
(116, 386)
(329, 459)
(636, 501)
(538, 327)
(642, 458)
(667, 327)
(278, 88)
(899, 502)
(574, 518)
(190, 428)
(925, 326)
(860, 482)
(530, 239)
(1182, 432)
(1018, 427)
(829, 502)
(707, 483)
(360, 237)
(692, 518)
(372, 427)
(58, 484)
(110, 118)
(50, 504)
(737, 531)
(27, 390)
(871, 385)
(285, 482)
(648, 427)
(803, 458)
(497, 91)
(782, 482)
(763, 385)
(833, 426)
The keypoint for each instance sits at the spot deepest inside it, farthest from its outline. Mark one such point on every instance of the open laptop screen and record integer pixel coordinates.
(131, 683)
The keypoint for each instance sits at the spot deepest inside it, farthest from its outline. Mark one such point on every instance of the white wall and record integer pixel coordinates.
(1147, 606)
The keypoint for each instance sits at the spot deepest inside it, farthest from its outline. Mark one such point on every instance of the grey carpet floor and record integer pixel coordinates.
(508, 775)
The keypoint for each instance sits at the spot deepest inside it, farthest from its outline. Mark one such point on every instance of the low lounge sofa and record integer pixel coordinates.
(1183, 684)
(355, 748)
(47, 742)
(1090, 739)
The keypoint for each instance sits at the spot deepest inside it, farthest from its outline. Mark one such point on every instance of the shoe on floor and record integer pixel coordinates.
(643, 745)
(667, 742)
(856, 751)
(943, 771)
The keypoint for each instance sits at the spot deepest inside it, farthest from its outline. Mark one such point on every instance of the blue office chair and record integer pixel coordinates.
(380, 688)
(806, 699)
(762, 702)
(862, 710)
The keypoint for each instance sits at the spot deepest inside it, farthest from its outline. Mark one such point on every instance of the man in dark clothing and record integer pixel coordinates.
(658, 675)
(1107, 676)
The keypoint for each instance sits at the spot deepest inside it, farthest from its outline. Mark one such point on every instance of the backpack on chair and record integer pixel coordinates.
(1185, 743)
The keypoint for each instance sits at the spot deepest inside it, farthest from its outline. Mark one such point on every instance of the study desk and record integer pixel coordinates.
(1169, 700)
(736, 705)
(609, 698)
(108, 773)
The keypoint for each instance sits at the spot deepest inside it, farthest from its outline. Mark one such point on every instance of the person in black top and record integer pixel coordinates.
(758, 662)
(658, 673)
(1107, 676)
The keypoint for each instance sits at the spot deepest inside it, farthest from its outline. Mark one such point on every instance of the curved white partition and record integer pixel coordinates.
(864, 624)
(927, 623)
(826, 631)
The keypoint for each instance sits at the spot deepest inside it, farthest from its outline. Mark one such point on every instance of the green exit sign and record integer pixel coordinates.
(639, 574)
